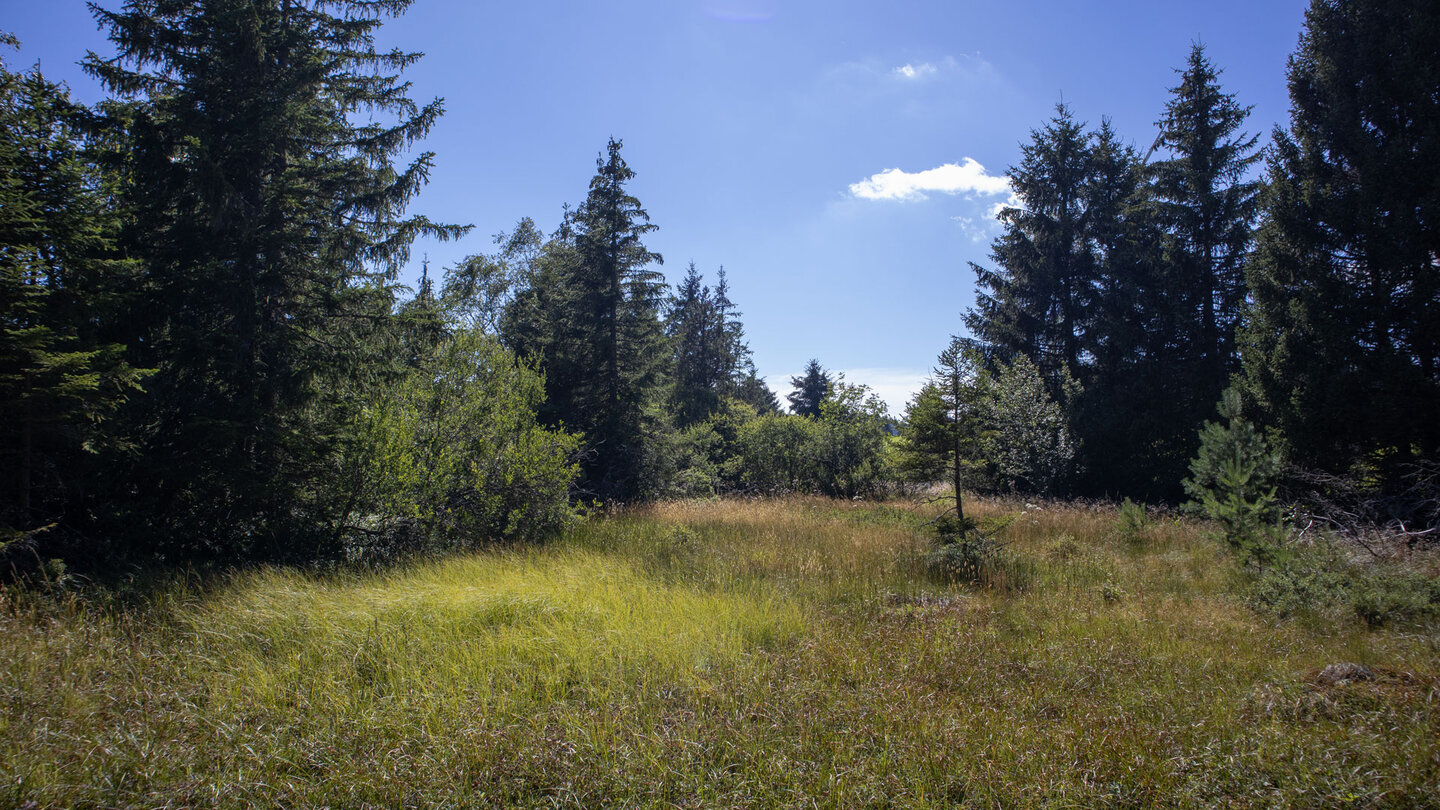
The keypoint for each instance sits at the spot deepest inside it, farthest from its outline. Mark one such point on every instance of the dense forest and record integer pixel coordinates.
(205, 356)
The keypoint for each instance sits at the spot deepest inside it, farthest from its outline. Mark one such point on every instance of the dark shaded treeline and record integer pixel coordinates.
(206, 356)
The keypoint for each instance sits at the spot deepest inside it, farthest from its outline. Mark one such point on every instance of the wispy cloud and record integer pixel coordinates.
(983, 228)
(914, 72)
(967, 177)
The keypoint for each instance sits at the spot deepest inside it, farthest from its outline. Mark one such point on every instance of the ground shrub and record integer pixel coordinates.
(1133, 526)
(1322, 583)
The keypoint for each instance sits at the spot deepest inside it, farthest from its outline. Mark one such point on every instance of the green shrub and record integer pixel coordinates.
(452, 456)
(1322, 583)
(1133, 525)
(1232, 481)
(1308, 584)
(1396, 598)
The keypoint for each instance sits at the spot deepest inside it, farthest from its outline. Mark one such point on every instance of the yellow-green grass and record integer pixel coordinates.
(740, 653)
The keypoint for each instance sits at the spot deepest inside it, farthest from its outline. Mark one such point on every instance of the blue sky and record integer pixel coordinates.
(766, 135)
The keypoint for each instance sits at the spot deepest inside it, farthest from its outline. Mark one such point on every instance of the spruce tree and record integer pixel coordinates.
(1036, 302)
(711, 358)
(271, 220)
(1207, 205)
(811, 388)
(62, 378)
(591, 318)
(1342, 346)
(944, 431)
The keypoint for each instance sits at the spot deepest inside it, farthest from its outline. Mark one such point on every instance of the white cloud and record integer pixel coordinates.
(914, 72)
(1012, 202)
(967, 177)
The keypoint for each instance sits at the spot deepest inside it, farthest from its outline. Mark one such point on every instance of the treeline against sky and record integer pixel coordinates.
(1142, 285)
(204, 354)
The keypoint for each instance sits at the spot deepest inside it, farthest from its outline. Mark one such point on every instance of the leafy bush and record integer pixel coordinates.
(452, 455)
(841, 453)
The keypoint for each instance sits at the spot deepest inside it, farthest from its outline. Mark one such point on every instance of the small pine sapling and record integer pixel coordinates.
(1232, 481)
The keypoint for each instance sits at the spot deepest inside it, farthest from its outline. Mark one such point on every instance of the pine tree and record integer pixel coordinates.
(61, 379)
(1233, 481)
(270, 220)
(1342, 346)
(590, 317)
(1208, 208)
(1036, 303)
(811, 388)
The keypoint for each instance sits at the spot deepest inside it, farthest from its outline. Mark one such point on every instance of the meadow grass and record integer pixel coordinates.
(722, 654)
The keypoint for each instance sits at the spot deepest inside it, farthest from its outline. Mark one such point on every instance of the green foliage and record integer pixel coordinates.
(1233, 481)
(454, 451)
(62, 378)
(811, 389)
(849, 441)
(1028, 437)
(774, 454)
(1342, 343)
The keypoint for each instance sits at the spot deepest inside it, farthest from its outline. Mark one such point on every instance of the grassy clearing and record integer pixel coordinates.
(742, 654)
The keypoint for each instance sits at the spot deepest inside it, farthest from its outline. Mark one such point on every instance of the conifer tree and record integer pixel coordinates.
(711, 358)
(1036, 301)
(1207, 205)
(591, 318)
(1342, 344)
(61, 379)
(270, 219)
(811, 388)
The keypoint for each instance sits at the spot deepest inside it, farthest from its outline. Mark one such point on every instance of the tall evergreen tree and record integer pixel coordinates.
(271, 220)
(1170, 240)
(591, 317)
(811, 388)
(1207, 205)
(1036, 302)
(1342, 346)
(61, 379)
